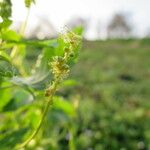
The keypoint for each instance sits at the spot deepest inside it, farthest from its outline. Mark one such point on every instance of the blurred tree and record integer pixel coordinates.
(98, 29)
(119, 27)
(147, 35)
(78, 21)
(43, 30)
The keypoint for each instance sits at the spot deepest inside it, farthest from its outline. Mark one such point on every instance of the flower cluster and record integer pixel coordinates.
(72, 40)
(59, 65)
(60, 69)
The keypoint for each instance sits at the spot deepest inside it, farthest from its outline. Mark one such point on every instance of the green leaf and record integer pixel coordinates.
(64, 41)
(5, 24)
(6, 68)
(35, 43)
(10, 140)
(19, 98)
(41, 74)
(78, 30)
(5, 97)
(67, 83)
(10, 35)
(37, 81)
(4, 56)
(64, 105)
(5, 9)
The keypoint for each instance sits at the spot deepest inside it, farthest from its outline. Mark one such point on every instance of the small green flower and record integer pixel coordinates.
(59, 65)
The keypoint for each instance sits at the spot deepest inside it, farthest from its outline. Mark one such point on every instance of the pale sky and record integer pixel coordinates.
(60, 11)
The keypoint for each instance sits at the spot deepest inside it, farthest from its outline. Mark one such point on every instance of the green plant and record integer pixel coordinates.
(51, 68)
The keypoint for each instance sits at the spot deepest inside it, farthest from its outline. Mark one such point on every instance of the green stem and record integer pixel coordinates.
(21, 32)
(23, 27)
(17, 60)
(42, 119)
(38, 128)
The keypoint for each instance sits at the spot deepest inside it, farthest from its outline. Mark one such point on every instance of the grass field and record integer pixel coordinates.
(114, 89)
(116, 67)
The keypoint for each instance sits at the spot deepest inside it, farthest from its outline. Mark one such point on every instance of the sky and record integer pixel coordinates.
(60, 11)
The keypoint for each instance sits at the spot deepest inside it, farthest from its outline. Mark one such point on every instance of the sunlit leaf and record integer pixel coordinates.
(10, 35)
(64, 105)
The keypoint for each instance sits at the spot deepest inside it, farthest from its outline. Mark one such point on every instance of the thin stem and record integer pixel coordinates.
(21, 32)
(23, 27)
(15, 49)
(42, 119)
(39, 126)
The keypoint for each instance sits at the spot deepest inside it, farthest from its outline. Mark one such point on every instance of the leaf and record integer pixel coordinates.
(41, 74)
(10, 35)
(6, 68)
(34, 43)
(64, 105)
(10, 140)
(37, 81)
(78, 30)
(19, 98)
(67, 83)
(5, 97)
(4, 57)
(5, 9)
(67, 40)
(5, 24)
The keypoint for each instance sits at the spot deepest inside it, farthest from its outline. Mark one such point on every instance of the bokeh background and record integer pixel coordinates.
(107, 96)
(99, 17)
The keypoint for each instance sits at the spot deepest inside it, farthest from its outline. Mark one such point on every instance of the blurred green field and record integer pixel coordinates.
(106, 107)
(119, 69)
(114, 89)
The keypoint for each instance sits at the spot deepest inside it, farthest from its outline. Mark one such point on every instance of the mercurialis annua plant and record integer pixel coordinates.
(51, 68)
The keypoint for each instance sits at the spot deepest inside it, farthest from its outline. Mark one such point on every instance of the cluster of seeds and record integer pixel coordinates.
(59, 66)
(60, 69)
